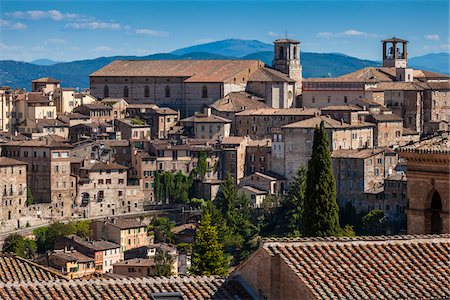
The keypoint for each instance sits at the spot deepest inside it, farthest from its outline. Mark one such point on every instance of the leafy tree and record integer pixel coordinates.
(227, 199)
(80, 228)
(349, 216)
(162, 227)
(30, 199)
(373, 222)
(294, 204)
(47, 236)
(197, 203)
(202, 168)
(321, 211)
(163, 263)
(23, 247)
(209, 258)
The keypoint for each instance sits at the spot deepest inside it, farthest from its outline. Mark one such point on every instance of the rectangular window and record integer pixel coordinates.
(55, 154)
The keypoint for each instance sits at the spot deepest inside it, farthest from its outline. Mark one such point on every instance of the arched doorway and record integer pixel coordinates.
(436, 210)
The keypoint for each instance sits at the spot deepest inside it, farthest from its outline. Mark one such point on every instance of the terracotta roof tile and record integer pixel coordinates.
(6, 161)
(385, 267)
(280, 112)
(46, 80)
(238, 101)
(15, 269)
(328, 122)
(266, 74)
(190, 287)
(192, 70)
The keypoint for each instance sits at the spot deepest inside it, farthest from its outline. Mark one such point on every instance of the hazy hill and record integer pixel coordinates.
(44, 62)
(230, 47)
(76, 73)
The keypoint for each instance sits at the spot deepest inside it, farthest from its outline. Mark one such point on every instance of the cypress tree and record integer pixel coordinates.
(209, 258)
(321, 211)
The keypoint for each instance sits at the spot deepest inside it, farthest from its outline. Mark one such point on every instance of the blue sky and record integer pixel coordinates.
(70, 30)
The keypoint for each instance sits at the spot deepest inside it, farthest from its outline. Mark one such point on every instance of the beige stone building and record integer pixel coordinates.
(357, 172)
(103, 190)
(6, 109)
(70, 263)
(254, 195)
(295, 147)
(132, 129)
(128, 233)
(258, 156)
(45, 85)
(190, 85)
(118, 105)
(428, 169)
(13, 193)
(232, 159)
(97, 111)
(48, 173)
(267, 122)
(272, 184)
(236, 102)
(161, 119)
(205, 125)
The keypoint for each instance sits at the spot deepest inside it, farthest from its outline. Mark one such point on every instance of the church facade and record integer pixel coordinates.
(190, 85)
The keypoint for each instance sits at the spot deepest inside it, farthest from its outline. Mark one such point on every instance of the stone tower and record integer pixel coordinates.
(286, 59)
(395, 56)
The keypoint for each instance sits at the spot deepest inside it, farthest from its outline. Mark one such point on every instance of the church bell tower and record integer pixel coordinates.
(395, 56)
(287, 60)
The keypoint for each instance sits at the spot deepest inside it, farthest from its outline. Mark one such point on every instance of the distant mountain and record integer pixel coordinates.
(44, 62)
(230, 47)
(321, 64)
(437, 62)
(76, 73)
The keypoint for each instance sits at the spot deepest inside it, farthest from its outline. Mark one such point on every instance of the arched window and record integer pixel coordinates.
(125, 91)
(295, 52)
(436, 209)
(105, 91)
(204, 92)
(146, 91)
(167, 91)
(281, 52)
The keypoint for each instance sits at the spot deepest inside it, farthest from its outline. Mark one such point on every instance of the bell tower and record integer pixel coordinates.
(394, 53)
(287, 60)
(395, 56)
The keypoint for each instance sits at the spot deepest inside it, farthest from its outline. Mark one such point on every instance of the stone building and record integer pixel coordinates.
(357, 172)
(388, 130)
(48, 172)
(266, 123)
(161, 119)
(97, 111)
(428, 173)
(143, 169)
(271, 183)
(13, 193)
(294, 149)
(236, 102)
(132, 129)
(45, 85)
(103, 190)
(205, 125)
(71, 263)
(258, 156)
(7, 116)
(232, 157)
(128, 233)
(118, 105)
(190, 85)
(104, 253)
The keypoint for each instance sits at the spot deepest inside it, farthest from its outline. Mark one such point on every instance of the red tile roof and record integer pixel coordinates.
(16, 269)
(384, 267)
(191, 287)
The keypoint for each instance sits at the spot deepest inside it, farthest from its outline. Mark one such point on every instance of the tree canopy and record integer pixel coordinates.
(321, 211)
(17, 244)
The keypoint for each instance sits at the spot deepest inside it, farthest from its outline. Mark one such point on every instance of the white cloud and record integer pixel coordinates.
(102, 49)
(347, 33)
(273, 34)
(55, 15)
(94, 25)
(150, 32)
(4, 24)
(432, 37)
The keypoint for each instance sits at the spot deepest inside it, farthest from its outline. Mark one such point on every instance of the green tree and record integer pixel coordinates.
(202, 168)
(47, 236)
(162, 226)
(80, 228)
(294, 204)
(17, 244)
(209, 258)
(373, 222)
(30, 199)
(349, 216)
(321, 211)
(227, 199)
(163, 263)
